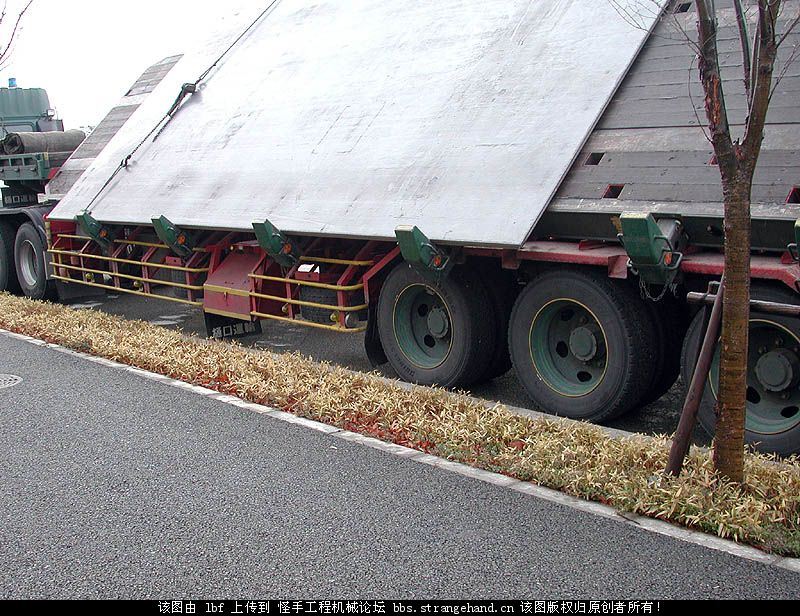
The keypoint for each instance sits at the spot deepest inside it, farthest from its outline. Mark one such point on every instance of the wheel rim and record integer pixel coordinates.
(423, 326)
(773, 375)
(28, 264)
(568, 348)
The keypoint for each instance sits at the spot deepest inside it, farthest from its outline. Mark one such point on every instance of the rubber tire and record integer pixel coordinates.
(473, 334)
(42, 288)
(8, 273)
(501, 288)
(785, 443)
(670, 325)
(624, 318)
(318, 296)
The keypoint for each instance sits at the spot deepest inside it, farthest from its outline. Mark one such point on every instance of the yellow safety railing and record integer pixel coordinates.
(124, 290)
(123, 242)
(336, 261)
(213, 288)
(309, 283)
(285, 300)
(190, 287)
(335, 328)
(179, 268)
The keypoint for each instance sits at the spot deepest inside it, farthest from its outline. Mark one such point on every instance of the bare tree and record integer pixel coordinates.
(737, 156)
(5, 50)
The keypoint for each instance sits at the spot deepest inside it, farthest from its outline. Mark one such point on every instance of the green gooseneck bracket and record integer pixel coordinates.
(792, 248)
(420, 252)
(179, 241)
(280, 248)
(95, 230)
(652, 246)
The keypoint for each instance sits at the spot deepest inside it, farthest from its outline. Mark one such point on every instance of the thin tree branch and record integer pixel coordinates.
(7, 48)
(744, 39)
(765, 55)
(631, 19)
(789, 29)
(679, 27)
(784, 69)
(691, 102)
(708, 63)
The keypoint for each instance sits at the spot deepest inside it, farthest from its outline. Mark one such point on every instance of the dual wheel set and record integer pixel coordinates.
(22, 261)
(583, 346)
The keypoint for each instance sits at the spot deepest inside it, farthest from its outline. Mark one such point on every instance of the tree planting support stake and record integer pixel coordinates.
(688, 420)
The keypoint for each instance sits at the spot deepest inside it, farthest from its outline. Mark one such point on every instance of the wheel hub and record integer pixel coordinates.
(423, 326)
(773, 376)
(778, 370)
(438, 323)
(27, 263)
(568, 348)
(583, 342)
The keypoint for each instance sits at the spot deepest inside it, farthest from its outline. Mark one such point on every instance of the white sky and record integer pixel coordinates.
(87, 53)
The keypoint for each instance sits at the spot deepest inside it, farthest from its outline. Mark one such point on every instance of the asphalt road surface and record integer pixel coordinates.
(660, 417)
(114, 485)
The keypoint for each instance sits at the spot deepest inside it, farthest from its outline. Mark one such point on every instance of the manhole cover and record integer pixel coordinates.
(9, 380)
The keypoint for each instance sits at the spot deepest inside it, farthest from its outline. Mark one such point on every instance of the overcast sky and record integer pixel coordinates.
(87, 53)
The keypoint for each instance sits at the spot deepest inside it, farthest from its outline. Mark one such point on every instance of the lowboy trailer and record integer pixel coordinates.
(475, 186)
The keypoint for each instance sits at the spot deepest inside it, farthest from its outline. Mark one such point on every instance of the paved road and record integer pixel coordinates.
(118, 486)
(660, 417)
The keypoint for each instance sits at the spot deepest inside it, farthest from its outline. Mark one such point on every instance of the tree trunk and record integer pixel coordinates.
(731, 399)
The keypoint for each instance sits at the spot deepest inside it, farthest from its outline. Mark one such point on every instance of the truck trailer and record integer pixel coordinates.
(475, 186)
(39, 162)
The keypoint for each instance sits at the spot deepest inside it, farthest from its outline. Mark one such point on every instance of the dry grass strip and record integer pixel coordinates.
(579, 459)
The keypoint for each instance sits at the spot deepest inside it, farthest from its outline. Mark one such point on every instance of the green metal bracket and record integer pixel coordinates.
(419, 251)
(95, 230)
(279, 247)
(179, 241)
(652, 246)
(792, 248)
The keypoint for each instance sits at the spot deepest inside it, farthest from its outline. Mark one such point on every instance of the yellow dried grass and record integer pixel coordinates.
(579, 459)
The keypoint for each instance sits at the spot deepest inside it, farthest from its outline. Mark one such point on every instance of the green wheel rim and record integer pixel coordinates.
(773, 372)
(423, 326)
(568, 348)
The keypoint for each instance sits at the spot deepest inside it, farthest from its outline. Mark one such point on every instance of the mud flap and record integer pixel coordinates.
(221, 327)
(372, 339)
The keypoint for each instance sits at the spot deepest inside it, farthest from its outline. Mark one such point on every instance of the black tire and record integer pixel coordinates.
(470, 336)
(669, 324)
(318, 296)
(501, 288)
(29, 259)
(613, 380)
(8, 272)
(784, 442)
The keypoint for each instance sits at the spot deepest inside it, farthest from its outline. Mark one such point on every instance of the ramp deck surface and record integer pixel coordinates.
(350, 118)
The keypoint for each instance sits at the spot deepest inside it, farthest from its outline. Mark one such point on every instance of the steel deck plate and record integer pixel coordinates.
(350, 117)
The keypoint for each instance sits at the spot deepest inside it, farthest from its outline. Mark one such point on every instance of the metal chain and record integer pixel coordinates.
(644, 291)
